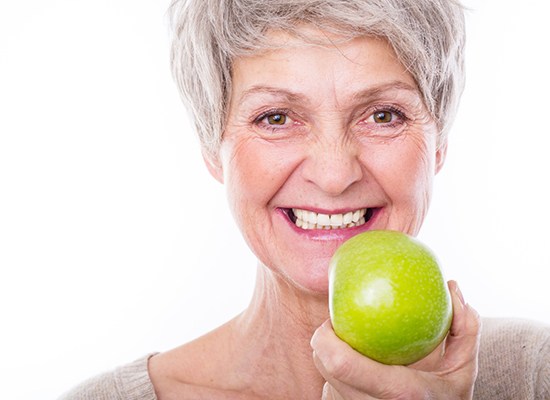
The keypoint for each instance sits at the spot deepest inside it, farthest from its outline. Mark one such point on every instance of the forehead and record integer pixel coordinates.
(319, 64)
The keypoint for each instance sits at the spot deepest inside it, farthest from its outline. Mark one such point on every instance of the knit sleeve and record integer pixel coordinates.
(514, 360)
(128, 382)
(543, 381)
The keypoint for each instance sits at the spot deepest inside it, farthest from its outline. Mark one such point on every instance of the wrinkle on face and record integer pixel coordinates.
(330, 156)
(419, 180)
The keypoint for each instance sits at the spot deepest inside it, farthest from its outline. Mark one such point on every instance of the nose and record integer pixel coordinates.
(333, 167)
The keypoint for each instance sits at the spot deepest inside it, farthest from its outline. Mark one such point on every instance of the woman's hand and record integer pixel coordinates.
(449, 372)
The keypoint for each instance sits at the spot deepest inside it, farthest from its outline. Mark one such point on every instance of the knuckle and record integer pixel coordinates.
(339, 367)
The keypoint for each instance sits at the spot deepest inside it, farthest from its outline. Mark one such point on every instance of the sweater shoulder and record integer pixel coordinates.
(129, 382)
(514, 360)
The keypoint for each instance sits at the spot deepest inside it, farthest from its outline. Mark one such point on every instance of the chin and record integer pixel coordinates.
(312, 280)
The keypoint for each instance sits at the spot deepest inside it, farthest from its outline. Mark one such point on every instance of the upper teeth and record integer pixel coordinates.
(311, 220)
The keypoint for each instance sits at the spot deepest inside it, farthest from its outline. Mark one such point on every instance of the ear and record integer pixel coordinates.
(213, 164)
(440, 156)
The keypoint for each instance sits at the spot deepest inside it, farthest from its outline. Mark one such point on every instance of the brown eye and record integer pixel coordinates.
(276, 119)
(382, 117)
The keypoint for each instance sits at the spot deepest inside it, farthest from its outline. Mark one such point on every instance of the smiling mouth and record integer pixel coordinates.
(306, 219)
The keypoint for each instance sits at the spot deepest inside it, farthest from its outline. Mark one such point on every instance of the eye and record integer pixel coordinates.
(279, 123)
(276, 119)
(382, 117)
(383, 120)
(385, 117)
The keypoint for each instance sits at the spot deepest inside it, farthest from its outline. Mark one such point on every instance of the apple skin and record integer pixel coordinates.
(388, 298)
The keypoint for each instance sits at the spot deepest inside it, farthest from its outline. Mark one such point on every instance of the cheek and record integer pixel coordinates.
(419, 170)
(254, 171)
(407, 171)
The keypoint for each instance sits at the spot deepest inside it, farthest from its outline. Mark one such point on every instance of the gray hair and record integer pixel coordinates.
(427, 36)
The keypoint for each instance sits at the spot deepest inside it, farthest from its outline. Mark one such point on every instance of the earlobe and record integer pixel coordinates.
(213, 164)
(440, 156)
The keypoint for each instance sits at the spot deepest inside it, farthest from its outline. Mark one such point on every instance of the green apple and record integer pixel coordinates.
(388, 298)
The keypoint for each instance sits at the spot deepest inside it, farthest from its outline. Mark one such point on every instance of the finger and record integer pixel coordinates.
(349, 372)
(462, 343)
(336, 390)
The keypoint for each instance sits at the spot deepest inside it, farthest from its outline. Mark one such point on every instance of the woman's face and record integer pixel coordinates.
(322, 143)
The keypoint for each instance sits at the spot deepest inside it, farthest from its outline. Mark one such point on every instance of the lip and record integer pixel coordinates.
(340, 235)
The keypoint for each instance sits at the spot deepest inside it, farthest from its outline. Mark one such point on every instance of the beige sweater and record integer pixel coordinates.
(514, 364)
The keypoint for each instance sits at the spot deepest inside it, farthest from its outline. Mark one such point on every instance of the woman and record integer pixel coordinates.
(324, 119)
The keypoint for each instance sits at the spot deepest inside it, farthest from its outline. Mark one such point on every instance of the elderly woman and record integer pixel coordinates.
(324, 119)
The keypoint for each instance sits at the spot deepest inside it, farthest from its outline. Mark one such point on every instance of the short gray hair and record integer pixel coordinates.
(427, 36)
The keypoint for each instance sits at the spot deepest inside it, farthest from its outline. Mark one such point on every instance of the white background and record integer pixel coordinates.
(114, 241)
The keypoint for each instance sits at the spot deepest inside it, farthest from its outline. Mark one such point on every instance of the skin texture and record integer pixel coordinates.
(330, 156)
(328, 129)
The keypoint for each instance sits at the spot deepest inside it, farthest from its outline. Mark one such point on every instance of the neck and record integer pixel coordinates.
(276, 329)
(280, 305)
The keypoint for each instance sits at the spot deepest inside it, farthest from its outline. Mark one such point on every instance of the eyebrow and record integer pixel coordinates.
(288, 95)
(375, 91)
(296, 97)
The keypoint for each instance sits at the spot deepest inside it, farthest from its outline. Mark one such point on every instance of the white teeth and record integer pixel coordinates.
(310, 217)
(336, 219)
(347, 218)
(323, 219)
(311, 220)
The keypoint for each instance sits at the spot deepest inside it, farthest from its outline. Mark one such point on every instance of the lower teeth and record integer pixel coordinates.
(307, 225)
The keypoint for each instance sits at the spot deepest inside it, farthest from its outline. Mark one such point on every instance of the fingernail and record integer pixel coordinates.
(459, 294)
(316, 334)
(326, 388)
(313, 340)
